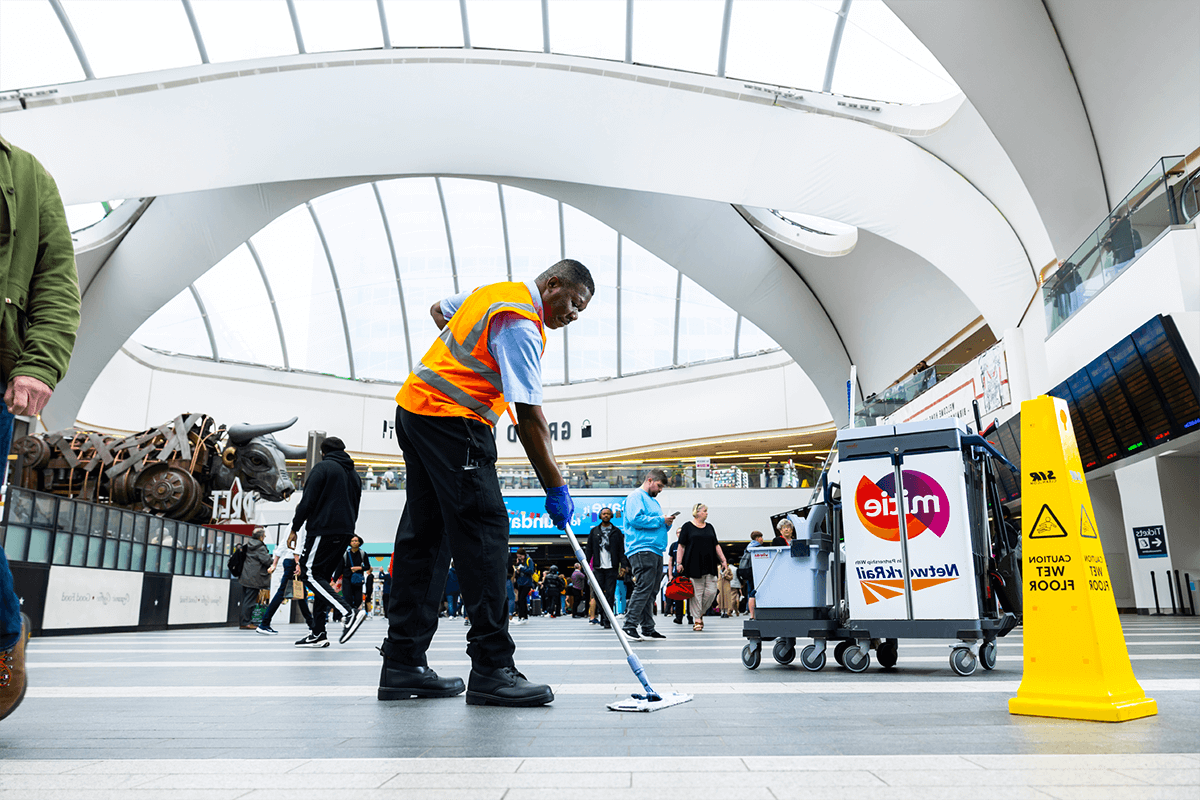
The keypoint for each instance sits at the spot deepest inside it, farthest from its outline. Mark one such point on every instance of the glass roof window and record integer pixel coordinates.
(123, 37)
(505, 24)
(177, 327)
(296, 266)
(706, 325)
(85, 215)
(382, 253)
(648, 287)
(678, 34)
(242, 31)
(353, 226)
(591, 339)
(589, 28)
(780, 42)
(239, 311)
(424, 23)
(329, 25)
(881, 59)
(786, 44)
(34, 48)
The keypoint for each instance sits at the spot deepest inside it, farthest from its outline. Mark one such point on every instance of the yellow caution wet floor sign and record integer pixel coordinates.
(1076, 660)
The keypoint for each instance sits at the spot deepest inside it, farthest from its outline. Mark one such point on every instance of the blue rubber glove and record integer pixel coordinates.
(560, 506)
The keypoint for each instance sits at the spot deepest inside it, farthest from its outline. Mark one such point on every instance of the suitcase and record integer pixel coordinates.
(536, 607)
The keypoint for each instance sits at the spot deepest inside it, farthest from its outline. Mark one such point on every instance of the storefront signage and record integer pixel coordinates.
(198, 600)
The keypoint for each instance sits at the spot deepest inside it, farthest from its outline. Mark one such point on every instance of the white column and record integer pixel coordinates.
(1142, 507)
(1018, 370)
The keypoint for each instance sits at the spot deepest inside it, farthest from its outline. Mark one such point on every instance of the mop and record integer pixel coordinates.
(651, 700)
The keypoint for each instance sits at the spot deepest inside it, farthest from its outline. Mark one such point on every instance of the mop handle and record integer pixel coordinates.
(602, 601)
(634, 663)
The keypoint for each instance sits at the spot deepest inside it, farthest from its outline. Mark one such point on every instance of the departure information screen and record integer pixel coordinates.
(1142, 391)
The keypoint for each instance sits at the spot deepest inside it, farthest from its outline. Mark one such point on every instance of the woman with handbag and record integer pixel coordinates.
(356, 565)
(698, 558)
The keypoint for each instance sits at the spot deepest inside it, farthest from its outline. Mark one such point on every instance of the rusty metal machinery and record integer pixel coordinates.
(169, 470)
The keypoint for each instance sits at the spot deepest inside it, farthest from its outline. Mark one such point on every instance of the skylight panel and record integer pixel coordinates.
(242, 31)
(785, 44)
(678, 34)
(591, 28)
(125, 37)
(424, 23)
(330, 25)
(506, 24)
(34, 49)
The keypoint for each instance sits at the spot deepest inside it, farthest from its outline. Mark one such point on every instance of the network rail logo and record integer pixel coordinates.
(928, 505)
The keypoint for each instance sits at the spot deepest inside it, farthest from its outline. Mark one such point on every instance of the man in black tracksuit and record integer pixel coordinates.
(606, 554)
(330, 508)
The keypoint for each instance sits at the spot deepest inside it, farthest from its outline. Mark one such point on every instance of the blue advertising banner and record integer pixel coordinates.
(528, 514)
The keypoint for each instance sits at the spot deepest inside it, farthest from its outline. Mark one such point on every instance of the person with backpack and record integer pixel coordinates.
(356, 566)
(552, 589)
(253, 575)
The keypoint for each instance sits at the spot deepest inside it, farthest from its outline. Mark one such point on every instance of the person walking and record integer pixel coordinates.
(329, 509)
(525, 569)
(579, 590)
(645, 541)
(726, 592)
(283, 564)
(255, 576)
(38, 322)
(676, 607)
(552, 591)
(453, 590)
(487, 356)
(700, 558)
(606, 556)
(356, 566)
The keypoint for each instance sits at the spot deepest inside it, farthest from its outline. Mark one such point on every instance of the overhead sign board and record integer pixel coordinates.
(1151, 541)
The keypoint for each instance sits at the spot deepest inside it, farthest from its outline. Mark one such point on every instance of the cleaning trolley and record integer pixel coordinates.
(933, 560)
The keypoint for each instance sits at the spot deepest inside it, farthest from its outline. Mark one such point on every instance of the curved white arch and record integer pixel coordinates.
(278, 129)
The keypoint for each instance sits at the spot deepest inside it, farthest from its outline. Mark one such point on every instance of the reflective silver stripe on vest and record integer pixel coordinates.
(465, 353)
(454, 393)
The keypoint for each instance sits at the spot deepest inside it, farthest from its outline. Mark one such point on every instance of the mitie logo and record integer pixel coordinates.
(928, 506)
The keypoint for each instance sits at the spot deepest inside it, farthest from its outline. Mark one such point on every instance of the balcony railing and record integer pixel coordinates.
(900, 394)
(1167, 196)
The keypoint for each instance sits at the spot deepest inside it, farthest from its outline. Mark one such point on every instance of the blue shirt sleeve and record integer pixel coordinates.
(642, 515)
(517, 347)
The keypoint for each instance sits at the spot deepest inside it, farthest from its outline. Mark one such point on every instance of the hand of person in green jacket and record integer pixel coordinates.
(26, 396)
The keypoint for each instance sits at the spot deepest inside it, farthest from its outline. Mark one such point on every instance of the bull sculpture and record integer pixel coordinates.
(169, 470)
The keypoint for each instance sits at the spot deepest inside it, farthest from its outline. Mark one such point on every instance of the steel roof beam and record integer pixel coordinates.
(337, 287)
(262, 273)
(387, 229)
(76, 45)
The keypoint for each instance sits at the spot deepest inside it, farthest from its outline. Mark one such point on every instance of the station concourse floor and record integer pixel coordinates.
(230, 714)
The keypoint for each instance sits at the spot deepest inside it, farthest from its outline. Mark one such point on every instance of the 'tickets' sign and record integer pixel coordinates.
(1151, 541)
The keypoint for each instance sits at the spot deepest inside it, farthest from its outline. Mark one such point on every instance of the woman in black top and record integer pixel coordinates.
(698, 558)
(356, 565)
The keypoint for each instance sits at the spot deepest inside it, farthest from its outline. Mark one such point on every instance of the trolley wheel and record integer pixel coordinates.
(752, 656)
(963, 661)
(784, 651)
(987, 655)
(887, 653)
(839, 653)
(857, 659)
(811, 660)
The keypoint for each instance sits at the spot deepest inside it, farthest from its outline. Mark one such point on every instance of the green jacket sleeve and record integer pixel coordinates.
(52, 308)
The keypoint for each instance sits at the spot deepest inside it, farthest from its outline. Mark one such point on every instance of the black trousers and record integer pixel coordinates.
(454, 506)
(320, 564)
(607, 578)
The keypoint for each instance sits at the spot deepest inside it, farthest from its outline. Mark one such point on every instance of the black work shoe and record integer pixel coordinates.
(632, 635)
(652, 635)
(400, 682)
(505, 687)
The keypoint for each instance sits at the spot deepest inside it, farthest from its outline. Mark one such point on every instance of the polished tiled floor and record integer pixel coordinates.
(231, 714)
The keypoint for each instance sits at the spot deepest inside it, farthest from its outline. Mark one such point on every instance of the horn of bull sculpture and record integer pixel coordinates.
(241, 434)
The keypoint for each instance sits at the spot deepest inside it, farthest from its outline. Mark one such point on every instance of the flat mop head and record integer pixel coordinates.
(653, 702)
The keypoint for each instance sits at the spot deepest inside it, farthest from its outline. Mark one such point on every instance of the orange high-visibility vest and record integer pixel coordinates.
(458, 377)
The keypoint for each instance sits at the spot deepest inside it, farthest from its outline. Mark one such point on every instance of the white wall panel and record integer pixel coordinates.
(198, 600)
(77, 597)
